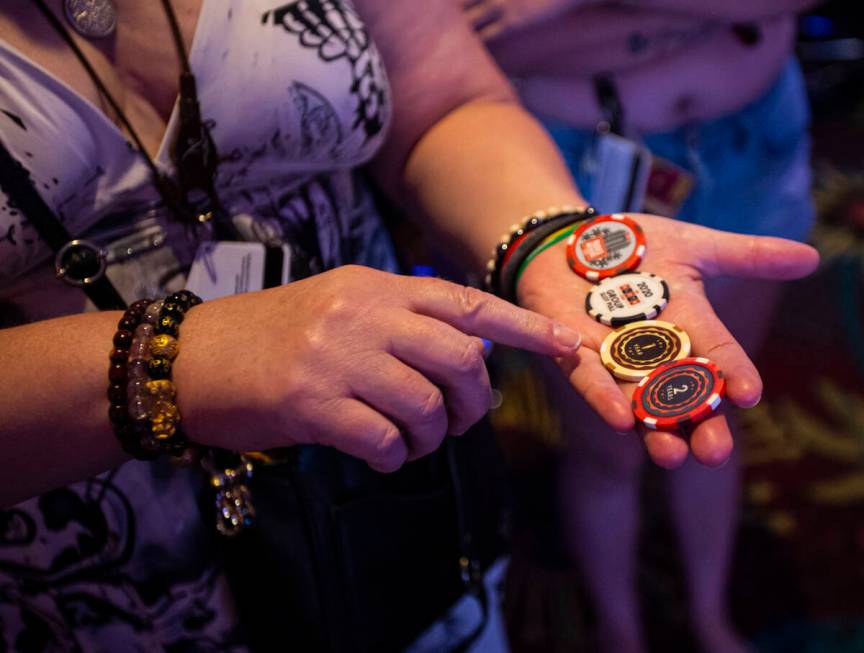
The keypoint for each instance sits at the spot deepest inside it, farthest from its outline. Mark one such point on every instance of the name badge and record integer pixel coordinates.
(621, 174)
(223, 268)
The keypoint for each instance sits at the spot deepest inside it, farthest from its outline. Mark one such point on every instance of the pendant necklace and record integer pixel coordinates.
(92, 19)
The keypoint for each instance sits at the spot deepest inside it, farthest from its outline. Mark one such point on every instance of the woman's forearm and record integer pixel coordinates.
(479, 170)
(54, 426)
(462, 155)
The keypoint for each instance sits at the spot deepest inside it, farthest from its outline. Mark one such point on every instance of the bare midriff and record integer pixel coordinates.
(669, 69)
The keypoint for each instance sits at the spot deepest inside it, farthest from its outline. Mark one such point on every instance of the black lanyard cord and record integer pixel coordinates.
(100, 86)
(80, 262)
(194, 152)
(178, 37)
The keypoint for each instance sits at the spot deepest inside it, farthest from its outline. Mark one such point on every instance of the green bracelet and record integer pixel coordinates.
(537, 252)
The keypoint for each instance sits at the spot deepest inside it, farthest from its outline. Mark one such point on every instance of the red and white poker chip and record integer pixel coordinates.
(679, 394)
(606, 246)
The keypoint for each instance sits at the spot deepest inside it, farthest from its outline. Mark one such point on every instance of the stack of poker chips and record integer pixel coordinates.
(674, 391)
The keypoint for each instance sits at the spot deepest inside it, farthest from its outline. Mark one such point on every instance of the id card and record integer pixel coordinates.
(669, 186)
(223, 268)
(621, 175)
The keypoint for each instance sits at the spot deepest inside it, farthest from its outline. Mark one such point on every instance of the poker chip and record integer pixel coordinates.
(627, 298)
(606, 246)
(633, 350)
(679, 394)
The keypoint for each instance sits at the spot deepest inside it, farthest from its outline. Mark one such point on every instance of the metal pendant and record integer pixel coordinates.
(80, 262)
(92, 19)
(235, 511)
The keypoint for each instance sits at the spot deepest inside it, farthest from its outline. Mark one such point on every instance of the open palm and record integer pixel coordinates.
(684, 255)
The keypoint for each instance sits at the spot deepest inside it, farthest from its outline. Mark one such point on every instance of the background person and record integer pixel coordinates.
(714, 93)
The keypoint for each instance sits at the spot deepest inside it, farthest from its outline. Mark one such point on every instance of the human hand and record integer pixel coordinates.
(379, 366)
(684, 255)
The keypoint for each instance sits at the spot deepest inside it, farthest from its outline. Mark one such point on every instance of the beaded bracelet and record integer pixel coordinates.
(509, 269)
(118, 376)
(150, 424)
(518, 234)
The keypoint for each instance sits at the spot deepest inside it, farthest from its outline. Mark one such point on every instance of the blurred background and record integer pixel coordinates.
(797, 580)
(798, 574)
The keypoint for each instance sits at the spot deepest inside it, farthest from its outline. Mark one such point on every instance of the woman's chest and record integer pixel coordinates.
(138, 63)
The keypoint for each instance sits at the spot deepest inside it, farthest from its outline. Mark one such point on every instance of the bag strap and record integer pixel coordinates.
(472, 574)
(18, 186)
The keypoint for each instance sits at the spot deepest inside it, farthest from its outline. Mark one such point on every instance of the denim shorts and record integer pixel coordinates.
(752, 167)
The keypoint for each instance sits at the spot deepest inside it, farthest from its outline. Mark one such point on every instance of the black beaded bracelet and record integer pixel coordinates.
(508, 241)
(148, 422)
(524, 238)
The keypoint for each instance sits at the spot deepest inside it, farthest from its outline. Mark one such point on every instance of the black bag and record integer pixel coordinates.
(360, 562)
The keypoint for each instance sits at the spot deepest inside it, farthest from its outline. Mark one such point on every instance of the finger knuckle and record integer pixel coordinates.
(431, 407)
(338, 309)
(471, 303)
(722, 347)
(470, 358)
(389, 450)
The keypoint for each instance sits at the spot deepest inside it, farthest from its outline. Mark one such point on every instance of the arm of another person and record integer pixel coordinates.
(471, 161)
(496, 18)
(727, 10)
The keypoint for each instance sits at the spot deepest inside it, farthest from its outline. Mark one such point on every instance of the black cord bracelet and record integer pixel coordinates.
(507, 283)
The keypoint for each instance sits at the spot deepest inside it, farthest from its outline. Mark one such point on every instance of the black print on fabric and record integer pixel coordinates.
(66, 566)
(336, 33)
(15, 118)
(319, 125)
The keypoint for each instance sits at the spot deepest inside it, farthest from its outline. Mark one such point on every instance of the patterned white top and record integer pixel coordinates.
(297, 99)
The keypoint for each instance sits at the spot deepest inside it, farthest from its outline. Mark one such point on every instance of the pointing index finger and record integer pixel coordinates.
(481, 314)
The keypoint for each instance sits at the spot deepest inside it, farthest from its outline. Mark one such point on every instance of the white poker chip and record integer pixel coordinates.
(616, 301)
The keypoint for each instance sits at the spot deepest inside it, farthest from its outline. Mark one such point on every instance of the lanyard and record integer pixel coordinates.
(191, 199)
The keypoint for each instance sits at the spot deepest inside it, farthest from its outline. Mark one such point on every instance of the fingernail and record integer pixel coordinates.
(753, 404)
(566, 336)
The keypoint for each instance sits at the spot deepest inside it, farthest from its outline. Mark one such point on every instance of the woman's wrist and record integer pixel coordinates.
(141, 394)
(515, 247)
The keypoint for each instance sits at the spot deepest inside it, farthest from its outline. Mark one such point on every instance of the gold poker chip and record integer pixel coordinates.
(632, 351)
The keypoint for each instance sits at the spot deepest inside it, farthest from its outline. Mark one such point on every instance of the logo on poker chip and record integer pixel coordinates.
(645, 348)
(606, 246)
(627, 298)
(678, 391)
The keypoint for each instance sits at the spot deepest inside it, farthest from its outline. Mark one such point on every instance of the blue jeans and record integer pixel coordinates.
(752, 167)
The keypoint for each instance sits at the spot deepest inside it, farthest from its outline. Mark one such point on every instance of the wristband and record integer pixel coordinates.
(513, 240)
(507, 278)
(143, 409)
(548, 242)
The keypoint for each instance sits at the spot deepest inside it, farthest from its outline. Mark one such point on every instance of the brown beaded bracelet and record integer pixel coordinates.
(118, 411)
(143, 412)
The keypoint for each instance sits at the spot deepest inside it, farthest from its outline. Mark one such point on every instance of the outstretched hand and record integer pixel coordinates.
(684, 255)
